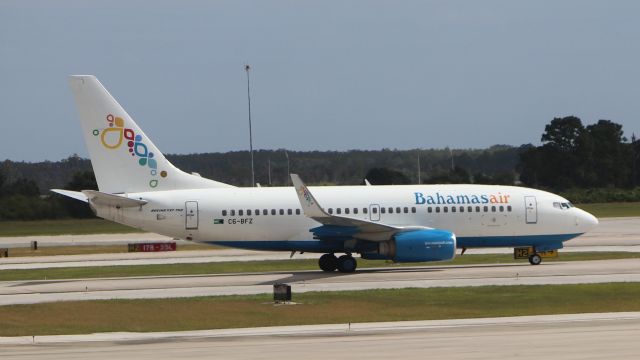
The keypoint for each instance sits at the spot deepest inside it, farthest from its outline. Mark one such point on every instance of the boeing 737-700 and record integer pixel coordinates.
(139, 187)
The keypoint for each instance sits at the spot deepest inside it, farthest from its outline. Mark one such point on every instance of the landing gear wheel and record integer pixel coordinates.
(535, 259)
(328, 262)
(347, 264)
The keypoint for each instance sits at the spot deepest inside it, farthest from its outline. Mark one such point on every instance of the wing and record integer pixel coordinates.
(339, 227)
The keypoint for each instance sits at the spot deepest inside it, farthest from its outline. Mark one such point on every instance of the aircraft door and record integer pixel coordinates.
(191, 215)
(531, 209)
(374, 212)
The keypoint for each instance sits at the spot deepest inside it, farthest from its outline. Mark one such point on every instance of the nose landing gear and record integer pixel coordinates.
(344, 264)
(535, 259)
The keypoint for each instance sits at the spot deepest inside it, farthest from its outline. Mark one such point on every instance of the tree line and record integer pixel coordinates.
(593, 163)
(576, 156)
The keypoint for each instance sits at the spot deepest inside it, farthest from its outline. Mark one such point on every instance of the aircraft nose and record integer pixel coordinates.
(585, 221)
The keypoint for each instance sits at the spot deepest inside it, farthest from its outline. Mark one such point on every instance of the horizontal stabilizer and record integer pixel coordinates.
(100, 198)
(72, 194)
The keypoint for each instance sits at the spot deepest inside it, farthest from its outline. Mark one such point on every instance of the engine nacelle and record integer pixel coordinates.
(417, 246)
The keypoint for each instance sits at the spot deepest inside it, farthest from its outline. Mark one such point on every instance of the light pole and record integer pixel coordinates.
(288, 171)
(253, 177)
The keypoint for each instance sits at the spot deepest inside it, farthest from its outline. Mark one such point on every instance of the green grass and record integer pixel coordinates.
(612, 209)
(267, 266)
(63, 227)
(147, 315)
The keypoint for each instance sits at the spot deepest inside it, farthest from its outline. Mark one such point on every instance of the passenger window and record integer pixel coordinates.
(383, 210)
(461, 208)
(429, 209)
(493, 209)
(446, 209)
(265, 212)
(501, 208)
(249, 212)
(413, 209)
(477, 208)
(297, 211)
(469, 208)
(289, 212)
(331, 211)
(338, 211)
(437, 209)
(355, 210)
(346, 210)
(406, 210)
(224, 212)
(240, 212)
(390, 210)
(257, 212)
(364, 210)
(509, 208)
(453, 209)
(281, 211)
(486, 209)
(233, 213)
(398, 210)
(374, 210)
(273, 211)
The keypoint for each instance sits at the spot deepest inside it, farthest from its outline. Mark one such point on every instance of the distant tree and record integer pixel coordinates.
(3, 178)
(458, 175)
(564, 133)
(384, 176)
(497, 179)
(83, 180)
(611, 155)
(22, 186)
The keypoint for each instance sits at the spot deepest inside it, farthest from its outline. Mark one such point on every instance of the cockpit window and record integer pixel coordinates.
(563, 205)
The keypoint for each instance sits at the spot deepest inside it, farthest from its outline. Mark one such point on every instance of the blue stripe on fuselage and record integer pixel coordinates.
(320, 246)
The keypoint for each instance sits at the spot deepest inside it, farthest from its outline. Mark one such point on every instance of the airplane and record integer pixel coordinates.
(139, 187)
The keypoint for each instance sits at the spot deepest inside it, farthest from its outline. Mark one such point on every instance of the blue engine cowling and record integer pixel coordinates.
(423, 245)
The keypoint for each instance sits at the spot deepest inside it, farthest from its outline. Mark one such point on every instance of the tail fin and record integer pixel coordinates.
(124, 159)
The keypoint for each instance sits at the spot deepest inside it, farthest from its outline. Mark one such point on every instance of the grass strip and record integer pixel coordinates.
(269, 266)
(63, 227)
(605, 210)
(83, 317)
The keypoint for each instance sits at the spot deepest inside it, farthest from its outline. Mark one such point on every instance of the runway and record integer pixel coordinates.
(574, 272)
(613, 234)
(579, 336)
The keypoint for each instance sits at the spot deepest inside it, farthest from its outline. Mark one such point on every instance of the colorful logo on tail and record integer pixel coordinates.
(112, 138)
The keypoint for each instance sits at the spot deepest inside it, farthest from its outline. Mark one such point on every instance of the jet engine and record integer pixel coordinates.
(417, 246)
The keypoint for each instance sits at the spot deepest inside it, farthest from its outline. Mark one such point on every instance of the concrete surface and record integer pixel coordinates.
(578, 336)
(573, 272)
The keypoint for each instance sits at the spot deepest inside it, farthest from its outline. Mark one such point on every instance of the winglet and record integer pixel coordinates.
(309, 204)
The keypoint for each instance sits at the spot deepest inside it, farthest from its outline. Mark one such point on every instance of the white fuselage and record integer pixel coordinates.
(479, 215)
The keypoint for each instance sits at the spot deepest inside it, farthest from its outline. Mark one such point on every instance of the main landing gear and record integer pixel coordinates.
(344, 263)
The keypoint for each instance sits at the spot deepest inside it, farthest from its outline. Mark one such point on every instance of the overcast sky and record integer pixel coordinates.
(327, 75)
